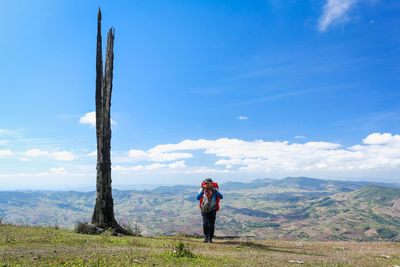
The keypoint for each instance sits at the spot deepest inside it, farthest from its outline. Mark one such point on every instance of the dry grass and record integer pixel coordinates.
(47, 246)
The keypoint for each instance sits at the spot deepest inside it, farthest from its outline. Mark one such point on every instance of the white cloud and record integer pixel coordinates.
(168, 156)
(177, 164)
(335, 11)
(53, 171)
(322, 145)
(379, 152)
(90, 118)
(242, 118)
(36, 152)
(300, 137)
(380, 139)
(137, 154)
(63, 155)
(5, 152)
(93, 154)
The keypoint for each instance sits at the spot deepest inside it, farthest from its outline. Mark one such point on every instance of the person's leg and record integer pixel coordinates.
(213, 216)
(206, 226)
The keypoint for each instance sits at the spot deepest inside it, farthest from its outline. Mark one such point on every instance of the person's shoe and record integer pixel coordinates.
(210, 240)
(206, 239)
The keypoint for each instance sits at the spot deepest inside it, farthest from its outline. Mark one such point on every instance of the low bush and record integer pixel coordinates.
(83, 227)
(181, 251)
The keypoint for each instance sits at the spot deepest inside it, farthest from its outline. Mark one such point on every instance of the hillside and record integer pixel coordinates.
(34, 246)
(290, 208)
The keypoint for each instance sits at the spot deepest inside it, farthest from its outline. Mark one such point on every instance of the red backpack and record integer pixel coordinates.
(215, 184)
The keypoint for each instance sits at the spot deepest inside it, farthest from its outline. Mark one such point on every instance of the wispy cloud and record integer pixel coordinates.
(63, 155)
(151, 167)
(4, 142)
(5, 131)
(5, 152)
(54, 171)
(242, 118)
(92, 154)
(58, 155)
(153, 154)
(36, 152)
(336, 12)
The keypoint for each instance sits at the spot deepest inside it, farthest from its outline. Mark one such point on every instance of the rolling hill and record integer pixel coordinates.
(290, 208)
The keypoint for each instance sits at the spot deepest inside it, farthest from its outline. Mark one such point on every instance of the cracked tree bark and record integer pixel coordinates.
(103, 215)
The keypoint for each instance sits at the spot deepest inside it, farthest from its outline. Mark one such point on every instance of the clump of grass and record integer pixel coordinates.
(83, 227)
(131, 230)
(181, 251)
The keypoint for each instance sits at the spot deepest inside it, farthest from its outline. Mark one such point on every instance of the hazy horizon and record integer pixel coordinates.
(142, 186)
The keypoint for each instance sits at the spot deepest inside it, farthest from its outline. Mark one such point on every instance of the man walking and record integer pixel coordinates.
(209, 197)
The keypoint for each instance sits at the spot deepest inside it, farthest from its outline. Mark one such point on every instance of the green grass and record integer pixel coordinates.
(30, 246)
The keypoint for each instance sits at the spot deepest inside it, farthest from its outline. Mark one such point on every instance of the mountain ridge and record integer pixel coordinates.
(295, 207)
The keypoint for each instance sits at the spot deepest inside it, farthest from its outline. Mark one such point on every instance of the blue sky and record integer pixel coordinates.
(235, 90)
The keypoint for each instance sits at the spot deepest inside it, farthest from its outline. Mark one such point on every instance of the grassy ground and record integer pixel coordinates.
(30, 246)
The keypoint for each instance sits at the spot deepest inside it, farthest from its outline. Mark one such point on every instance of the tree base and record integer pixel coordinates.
(91, 229)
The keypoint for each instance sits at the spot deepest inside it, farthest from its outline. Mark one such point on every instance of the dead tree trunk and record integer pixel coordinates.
(103, 215)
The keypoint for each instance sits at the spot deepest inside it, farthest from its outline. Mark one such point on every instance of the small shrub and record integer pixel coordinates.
(132, 230)
(83, 227)
(181, 251)
(126, 226)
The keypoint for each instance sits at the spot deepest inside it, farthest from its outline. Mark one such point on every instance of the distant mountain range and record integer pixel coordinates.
(293, 208)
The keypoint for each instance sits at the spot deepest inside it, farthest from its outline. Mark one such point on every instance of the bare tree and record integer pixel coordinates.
(103, 215)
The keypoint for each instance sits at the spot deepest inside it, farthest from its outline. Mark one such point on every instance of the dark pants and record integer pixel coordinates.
(209, 223)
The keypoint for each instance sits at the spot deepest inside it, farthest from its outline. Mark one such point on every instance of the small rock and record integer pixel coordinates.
(174, 251)
(299, 244)
(136, 261)
(299, 262)
(35, 258)
(55, 251)
(385, 256)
